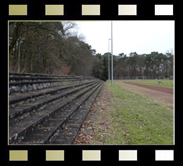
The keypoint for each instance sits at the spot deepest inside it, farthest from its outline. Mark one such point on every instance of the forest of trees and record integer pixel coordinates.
(153, 65)
(50, 48)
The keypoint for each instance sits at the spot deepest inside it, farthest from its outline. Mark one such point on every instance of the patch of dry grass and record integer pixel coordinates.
(135, 119)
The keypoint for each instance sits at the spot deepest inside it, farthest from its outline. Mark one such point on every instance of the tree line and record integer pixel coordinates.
(153, 65)
(50, 48)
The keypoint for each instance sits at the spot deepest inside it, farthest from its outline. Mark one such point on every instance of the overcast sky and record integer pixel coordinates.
(128, 36)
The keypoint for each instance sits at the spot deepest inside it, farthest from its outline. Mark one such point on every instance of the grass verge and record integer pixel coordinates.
(135, 119)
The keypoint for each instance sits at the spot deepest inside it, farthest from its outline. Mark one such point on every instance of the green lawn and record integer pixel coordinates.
(135, 119)
(166, 83)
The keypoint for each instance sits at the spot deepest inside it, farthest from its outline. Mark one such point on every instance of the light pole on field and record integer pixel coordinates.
(111, 56)
(108, 62)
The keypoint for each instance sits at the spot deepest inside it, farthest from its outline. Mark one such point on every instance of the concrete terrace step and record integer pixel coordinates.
(41, 75)
(21, 83)
(19, 128)
(68, 133)
(21, 76)
(41, 81)
(19, 97)
(24, 108)
(44, 132)
(22, 87)
(32, 86)
(48, 109)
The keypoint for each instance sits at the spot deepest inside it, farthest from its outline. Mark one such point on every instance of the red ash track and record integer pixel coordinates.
(158, 88)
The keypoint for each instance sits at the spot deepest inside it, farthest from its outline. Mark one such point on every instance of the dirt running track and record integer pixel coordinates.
(159, 93)
(159, 88)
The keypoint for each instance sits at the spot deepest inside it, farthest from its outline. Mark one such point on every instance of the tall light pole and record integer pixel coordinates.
(111, 56)
(108, 62)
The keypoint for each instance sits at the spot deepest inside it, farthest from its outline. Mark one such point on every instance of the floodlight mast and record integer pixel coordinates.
(111, 55)
(108, 62)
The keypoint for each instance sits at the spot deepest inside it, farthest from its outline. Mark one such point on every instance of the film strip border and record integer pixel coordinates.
(90, 155)
(91, 10)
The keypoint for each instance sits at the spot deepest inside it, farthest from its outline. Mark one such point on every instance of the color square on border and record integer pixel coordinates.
(90, 9)
(18, 155)
(127, 155)
(54, 10)
(91, 155)
(164, 155)
(54, 155)
(17, 10)
(163, 9)
(127, 9)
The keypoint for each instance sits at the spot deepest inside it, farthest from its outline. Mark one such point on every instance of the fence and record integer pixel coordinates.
(134, 77)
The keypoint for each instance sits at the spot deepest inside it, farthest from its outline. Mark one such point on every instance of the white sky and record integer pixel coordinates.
(128, 36)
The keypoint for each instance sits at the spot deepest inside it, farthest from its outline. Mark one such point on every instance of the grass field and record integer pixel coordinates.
(166, 83)
(135, 119)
